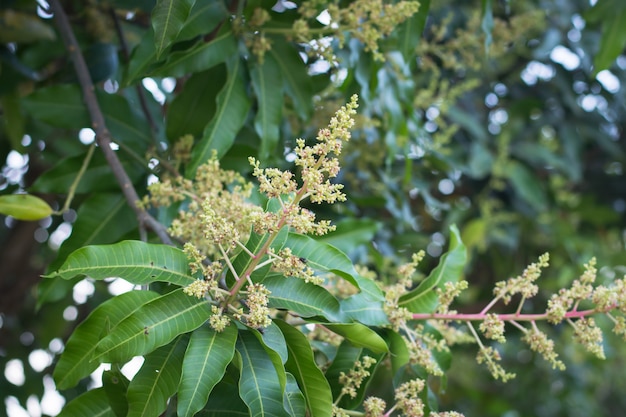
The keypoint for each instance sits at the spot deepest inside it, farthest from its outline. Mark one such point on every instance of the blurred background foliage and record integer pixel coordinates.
(503, 117)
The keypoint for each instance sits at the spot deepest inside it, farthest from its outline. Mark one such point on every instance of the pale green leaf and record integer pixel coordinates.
(301, 364)
(362, 308)
(259, 386)
(157, 380)
(153, 325)
(168, 18)
(137, 262)
(359, 335)
(76, 361)
(423, 299)
(208, 354)
(24, 207)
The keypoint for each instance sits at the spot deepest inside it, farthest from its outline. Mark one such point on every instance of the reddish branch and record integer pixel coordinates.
(504, 317)
(103, 135)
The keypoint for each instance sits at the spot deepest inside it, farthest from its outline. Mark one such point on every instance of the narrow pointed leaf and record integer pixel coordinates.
(423, 299)
(268, 89)
(360, 335)
(157, 380)
(306, 300)
(232, 109)
(76, 361)
(293, 72)
(137, 262)
(24, 207)
(199, 57)
(293, 400)
(258, 385)
(168, 18)
(301, 364)
(155, 324)
(324, 257)
(208, 354)
(90, 404)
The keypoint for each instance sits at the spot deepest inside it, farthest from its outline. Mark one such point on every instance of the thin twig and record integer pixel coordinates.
(103, 135)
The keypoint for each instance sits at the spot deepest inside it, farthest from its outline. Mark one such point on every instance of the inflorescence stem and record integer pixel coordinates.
(504, 317)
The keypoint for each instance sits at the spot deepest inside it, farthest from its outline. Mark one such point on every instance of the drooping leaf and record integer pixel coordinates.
(301, 364)
(207, 356)
(24, 207)
(360, 336)
(423, 299)
(137, 262)
(273, 341)
(293, 400)
(116, 385)
(258, 385)
(307, 300)
(76, 361)
(92, 403)
(153, 325)
(225, 402)
(194, 106)
(168, 18)
(232, 109)
(268, 89)
(296, 80)
(157, 380)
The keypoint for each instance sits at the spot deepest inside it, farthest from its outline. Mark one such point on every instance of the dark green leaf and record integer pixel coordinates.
(204, 17)
(347, 354)
(258, 385)
(301, 364)
(90, 404)
(115, 385)
(232, 109)
(306, 300)
(423, 299)
(137, 262)
(168, 17)
(293, 400)
(225, 402)
(76, 361)
(268, 89)
(527, 186)
(157, 380)
(207, 356)
(153, 325)
(410, 31)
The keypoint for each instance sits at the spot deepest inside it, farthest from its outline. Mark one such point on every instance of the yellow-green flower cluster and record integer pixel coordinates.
(523, 284)
(352, 381)
(540, 343)
(374, 407)
(493, 328)
(293, 266)
(407, 398)
(257, 299)
(491, 357)
(447, 294)
(218, 321)
(589, 335)
(420, 351)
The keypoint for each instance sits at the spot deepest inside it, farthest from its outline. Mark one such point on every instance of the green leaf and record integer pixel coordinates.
(204, 17)
(399, 353)
(343, 361)
(410, 32)
(76, 361)
(232, 109)
(18, 27)
(90, 404)
(296, 80)
(194, 106)
(225, 402)
(254, 244)
(258, 384)
(359, 335)
(273, 341)
(527, 185)
(351, 233)
(168, 17)
(293, 400)
(611, 15)
(142, 59)
(116, 385)
(62, 106)
(153, 325)
(301, 364)
(268, 89)
(24, 207)
(200, 57)
(207, 356)
(97, 177)
(135, 261)
(423, 299)
(360, 307)
(324, 257)
(157, 380)
(306, 300)
(486, 23)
